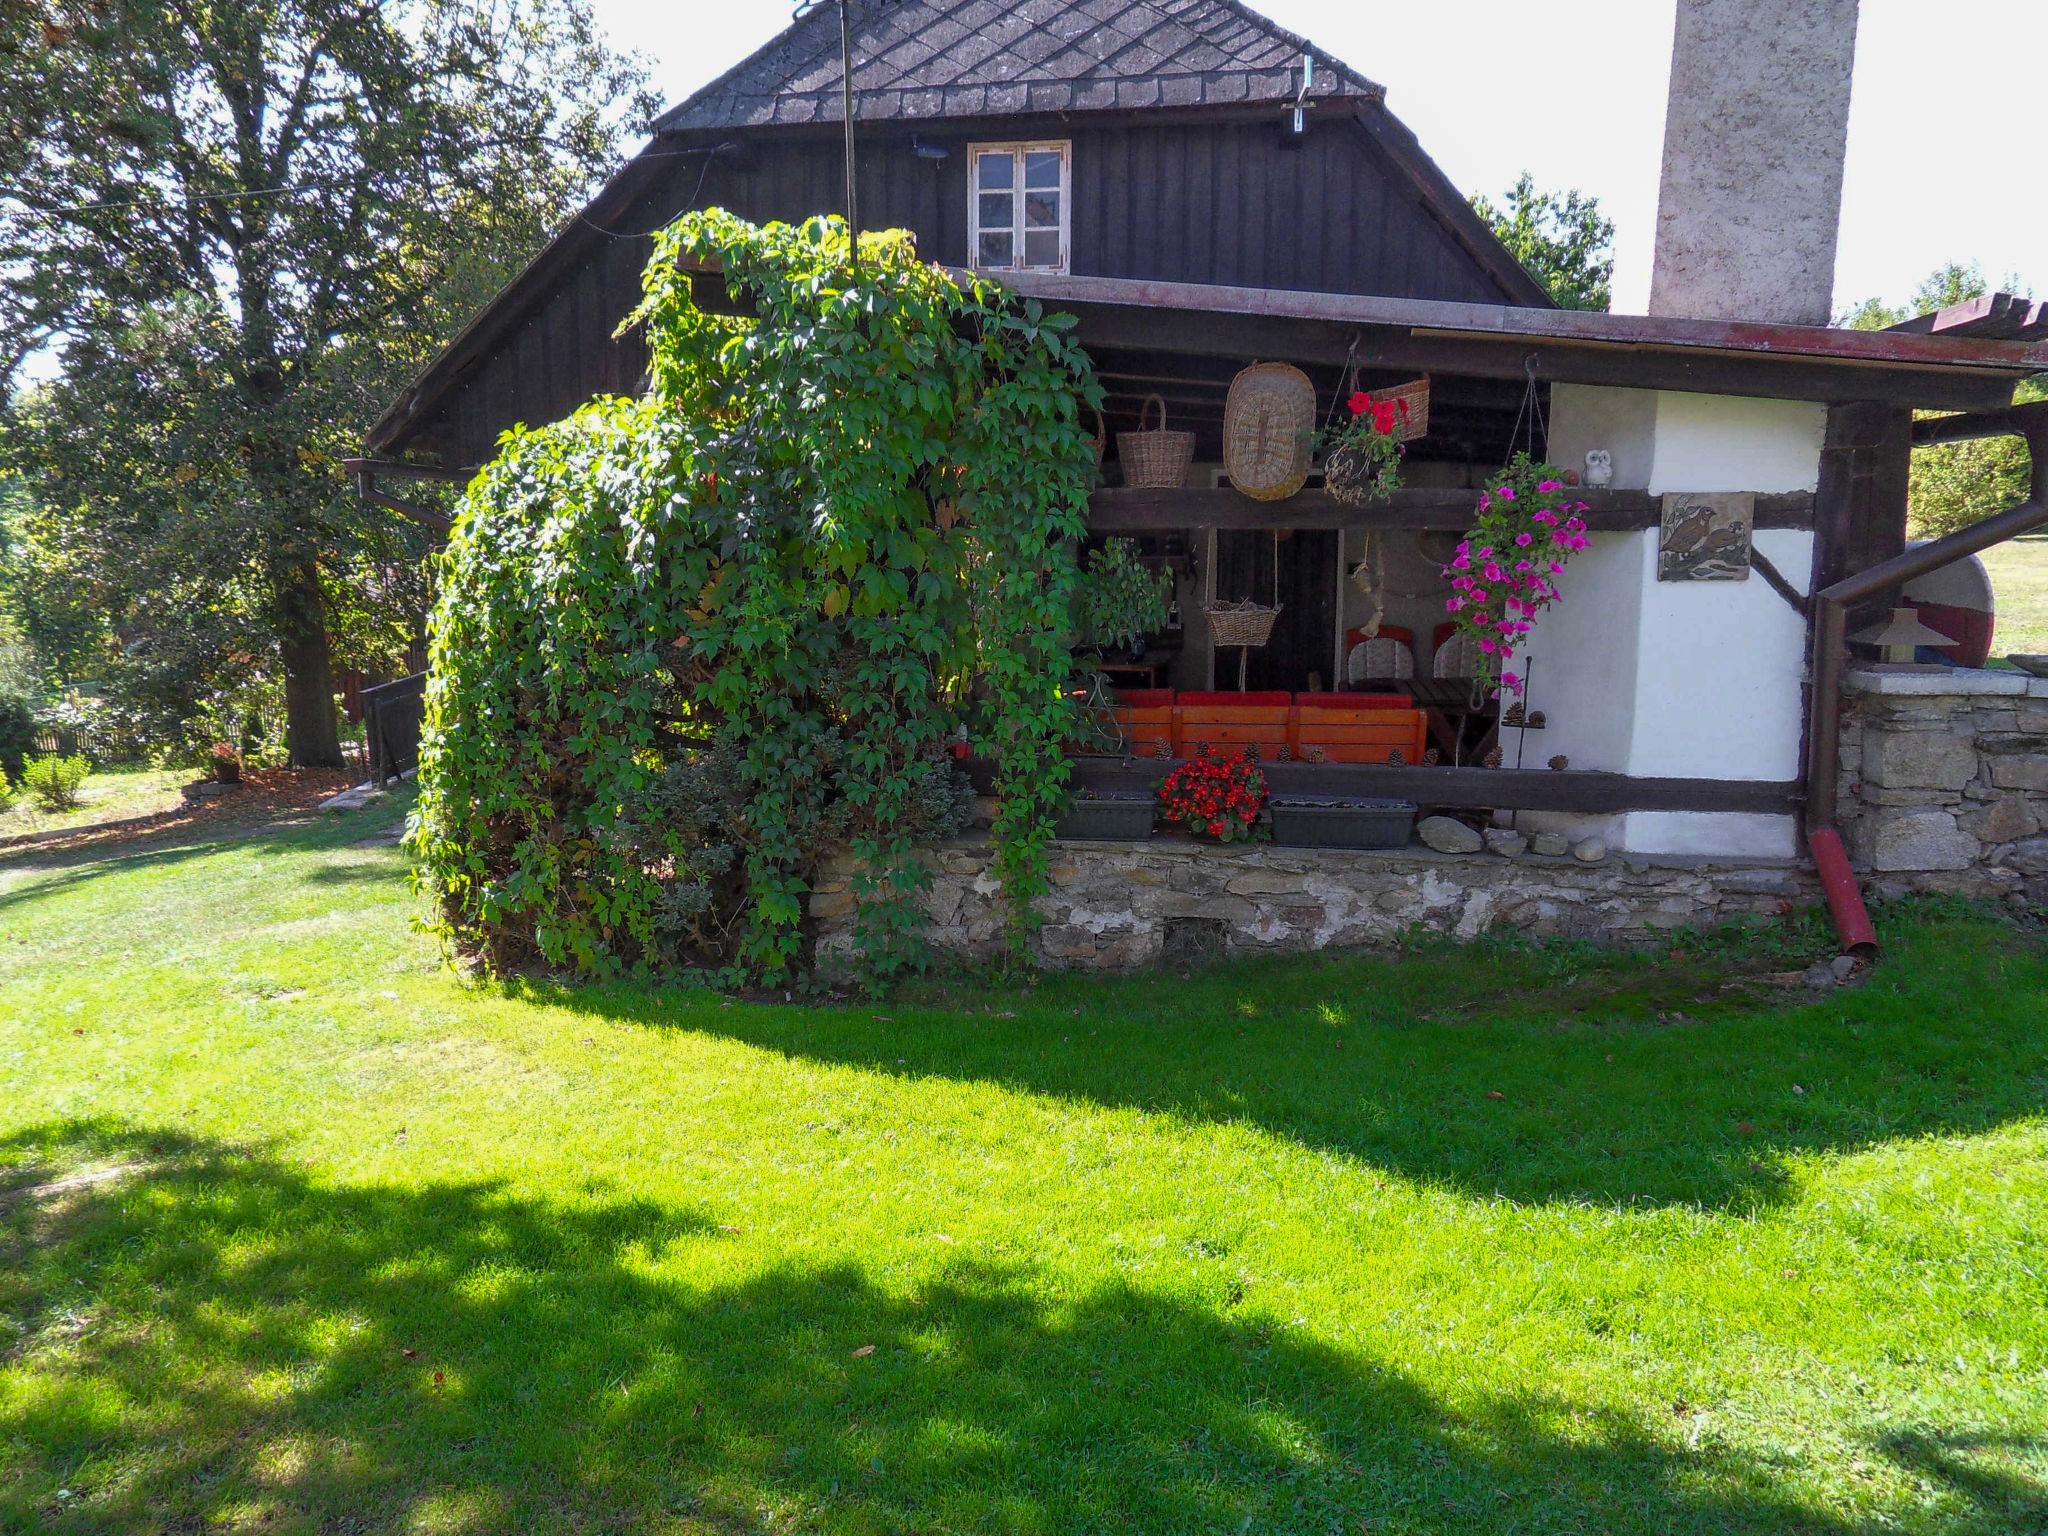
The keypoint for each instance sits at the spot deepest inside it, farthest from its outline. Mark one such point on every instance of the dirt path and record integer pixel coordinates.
(266, 797)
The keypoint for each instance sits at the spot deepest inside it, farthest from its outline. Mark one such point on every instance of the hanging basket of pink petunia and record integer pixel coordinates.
(1527, 525)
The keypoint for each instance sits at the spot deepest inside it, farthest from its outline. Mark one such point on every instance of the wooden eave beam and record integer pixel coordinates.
(1519, 789)
(1569, 346)
(2013, 420)
(1123, 510)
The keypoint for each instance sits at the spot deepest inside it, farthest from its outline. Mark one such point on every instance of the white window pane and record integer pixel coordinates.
(1042, 169)
(995, 249)
(995, 210)
(1041, 210)
(999, 170)
(1042, 248)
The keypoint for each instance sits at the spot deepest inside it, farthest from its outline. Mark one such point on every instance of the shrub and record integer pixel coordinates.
(54, 781)
(687, 647)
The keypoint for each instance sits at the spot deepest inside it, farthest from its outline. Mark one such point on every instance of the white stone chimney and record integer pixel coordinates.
(1751, 197)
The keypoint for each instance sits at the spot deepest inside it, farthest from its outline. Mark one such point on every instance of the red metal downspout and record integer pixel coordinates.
(1823, 744)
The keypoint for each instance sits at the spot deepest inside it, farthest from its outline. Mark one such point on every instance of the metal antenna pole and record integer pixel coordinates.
(846, 109)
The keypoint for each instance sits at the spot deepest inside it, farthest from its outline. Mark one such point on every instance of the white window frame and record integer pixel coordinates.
(1064, 148)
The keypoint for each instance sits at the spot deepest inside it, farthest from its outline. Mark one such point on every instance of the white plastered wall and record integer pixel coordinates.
(1675, 679)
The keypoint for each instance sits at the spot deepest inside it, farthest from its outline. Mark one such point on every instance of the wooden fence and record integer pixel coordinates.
(392, 715)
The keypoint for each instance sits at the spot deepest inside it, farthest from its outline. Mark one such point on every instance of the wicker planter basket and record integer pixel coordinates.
(1269, 429)
(1416, 422)
(1154, 458)
(1245, 623)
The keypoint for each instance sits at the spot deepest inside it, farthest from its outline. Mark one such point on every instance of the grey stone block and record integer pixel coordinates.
(1918, 760)
(1917, 840)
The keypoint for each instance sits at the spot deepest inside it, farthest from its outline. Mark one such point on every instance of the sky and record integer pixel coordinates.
(1573, 91)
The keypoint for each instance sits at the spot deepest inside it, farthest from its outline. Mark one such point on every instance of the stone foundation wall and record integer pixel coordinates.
(1944, 788)
(1945, 781)
(1124, 905)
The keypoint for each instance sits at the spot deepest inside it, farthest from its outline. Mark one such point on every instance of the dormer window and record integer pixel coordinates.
(1017, 207)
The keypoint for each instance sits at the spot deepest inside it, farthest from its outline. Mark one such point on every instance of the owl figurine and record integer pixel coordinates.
(1599, 468)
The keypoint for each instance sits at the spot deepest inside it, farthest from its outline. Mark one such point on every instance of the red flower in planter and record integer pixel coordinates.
(1215, 796)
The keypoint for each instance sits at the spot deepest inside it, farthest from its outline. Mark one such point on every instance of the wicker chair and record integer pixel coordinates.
(1451, 655)
(1388, 656)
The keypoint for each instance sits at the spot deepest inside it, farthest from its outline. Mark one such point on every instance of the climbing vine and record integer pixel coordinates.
(691, 646)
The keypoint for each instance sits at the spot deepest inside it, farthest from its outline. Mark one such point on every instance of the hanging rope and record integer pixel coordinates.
(1370, 577)
(1346, 383)
(1529, 417)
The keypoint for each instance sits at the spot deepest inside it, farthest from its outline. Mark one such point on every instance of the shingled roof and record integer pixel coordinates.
(981, 58)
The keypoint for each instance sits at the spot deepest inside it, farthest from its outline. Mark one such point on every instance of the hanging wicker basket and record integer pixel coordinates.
(1245, 623)
(1414, 422)
(1154, 458)
(1269, 425)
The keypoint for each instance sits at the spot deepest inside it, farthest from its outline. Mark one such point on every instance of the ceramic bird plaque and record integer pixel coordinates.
(1705, 536)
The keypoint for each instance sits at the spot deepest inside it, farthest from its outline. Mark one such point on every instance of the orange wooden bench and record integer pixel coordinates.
(1325, 730)
(1145, 718)
(1234, 722)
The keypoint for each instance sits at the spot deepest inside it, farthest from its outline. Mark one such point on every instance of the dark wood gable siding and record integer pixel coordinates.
(1221, 200)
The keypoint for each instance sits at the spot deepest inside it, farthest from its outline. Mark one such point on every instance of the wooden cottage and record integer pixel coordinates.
(1204, 190)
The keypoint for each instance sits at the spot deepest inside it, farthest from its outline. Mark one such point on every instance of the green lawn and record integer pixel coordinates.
(110, 794)
(2019, 584)
(303, 1234)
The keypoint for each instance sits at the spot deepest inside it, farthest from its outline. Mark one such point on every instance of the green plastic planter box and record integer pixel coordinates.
(1113, 817)
(1341, 821)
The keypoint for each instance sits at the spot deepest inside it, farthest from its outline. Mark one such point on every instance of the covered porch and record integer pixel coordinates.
(1667, 717)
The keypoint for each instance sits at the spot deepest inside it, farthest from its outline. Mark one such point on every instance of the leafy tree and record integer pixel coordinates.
(1564, 240)
(1956, 484)
(241, 228)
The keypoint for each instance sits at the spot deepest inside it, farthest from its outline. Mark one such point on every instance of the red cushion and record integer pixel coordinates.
(1444, 631)
(1272, 697)
(1354, 701)
(1145, 698)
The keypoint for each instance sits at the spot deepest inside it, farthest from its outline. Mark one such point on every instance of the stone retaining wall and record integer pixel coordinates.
(1945, 781)
(1944, 788)
(1124, 905)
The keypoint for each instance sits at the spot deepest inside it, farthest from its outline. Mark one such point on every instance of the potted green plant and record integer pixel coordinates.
(1122, 601)
(225, 763)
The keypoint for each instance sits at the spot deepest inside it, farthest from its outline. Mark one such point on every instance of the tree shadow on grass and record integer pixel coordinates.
(1524, 1074)
(213, 1339)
